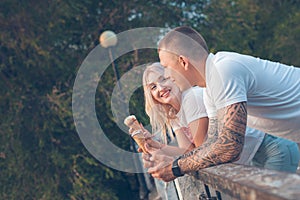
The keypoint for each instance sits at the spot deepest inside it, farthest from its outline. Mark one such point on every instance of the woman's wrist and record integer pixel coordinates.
(161, 146)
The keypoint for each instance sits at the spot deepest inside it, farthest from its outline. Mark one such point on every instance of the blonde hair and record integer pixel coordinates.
(159, 114)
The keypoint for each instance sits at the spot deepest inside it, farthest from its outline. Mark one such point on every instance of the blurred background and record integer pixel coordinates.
(44, 42)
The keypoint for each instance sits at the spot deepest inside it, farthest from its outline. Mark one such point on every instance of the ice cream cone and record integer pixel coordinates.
(140, 140)
(132, 122)
(137, 132)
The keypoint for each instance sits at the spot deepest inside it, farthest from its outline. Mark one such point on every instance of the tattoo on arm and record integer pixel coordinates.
(224, 143)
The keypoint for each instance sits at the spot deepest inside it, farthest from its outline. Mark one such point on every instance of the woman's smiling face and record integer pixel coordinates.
(162, 89)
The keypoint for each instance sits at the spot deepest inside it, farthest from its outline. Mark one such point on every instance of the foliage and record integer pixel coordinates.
(42, 46)
(267, 29)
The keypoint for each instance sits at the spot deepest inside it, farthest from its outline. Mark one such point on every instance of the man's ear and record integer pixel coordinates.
(184, 62)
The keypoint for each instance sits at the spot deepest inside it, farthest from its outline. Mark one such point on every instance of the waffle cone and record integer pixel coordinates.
(135, 125)
(140, 140)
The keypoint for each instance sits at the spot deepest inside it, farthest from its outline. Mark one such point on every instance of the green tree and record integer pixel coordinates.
(267, 29)
(43, 44)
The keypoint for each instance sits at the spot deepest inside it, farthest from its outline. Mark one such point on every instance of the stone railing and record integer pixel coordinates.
(232, 181)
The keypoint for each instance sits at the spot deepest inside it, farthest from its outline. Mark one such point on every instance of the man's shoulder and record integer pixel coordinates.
(230, 62)
(223, 56)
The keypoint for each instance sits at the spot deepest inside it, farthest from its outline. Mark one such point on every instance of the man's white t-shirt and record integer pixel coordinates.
(271, 90)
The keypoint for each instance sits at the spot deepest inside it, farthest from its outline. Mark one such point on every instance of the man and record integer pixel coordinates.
(236, 86)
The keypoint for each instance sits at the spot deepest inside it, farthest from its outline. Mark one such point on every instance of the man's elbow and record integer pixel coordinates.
(231, 153)
(234, 153)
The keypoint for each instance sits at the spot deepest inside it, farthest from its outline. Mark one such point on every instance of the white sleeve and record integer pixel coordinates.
(229, 82)
(209, 105)
(193, 105)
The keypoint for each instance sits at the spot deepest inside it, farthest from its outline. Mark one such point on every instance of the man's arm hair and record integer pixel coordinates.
(224, 143)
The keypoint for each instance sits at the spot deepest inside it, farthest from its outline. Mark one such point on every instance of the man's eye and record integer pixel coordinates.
(166, 78)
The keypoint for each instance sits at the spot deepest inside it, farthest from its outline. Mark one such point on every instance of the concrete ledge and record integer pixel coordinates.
(250, 183)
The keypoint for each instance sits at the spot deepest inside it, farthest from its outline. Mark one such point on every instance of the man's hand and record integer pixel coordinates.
(147, 157)
(159, 164)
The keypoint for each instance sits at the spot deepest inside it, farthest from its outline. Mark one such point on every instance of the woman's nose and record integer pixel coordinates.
(160, 86)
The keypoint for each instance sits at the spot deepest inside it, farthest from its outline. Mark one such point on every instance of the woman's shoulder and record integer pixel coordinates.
(195, 92)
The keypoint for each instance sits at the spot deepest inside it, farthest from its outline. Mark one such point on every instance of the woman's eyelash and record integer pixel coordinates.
(152, 87)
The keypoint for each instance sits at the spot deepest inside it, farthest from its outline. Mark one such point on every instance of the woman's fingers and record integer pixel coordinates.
(149, 148)
(131, 130)
(146, 160)
(146, 156)
(153, 144)
(140, 150)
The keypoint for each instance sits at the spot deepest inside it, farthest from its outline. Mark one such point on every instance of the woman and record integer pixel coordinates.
(163, 101)
(166, 107)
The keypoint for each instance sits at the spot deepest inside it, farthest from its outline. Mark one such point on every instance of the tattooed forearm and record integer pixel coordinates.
(212, 136)
(225, 140)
